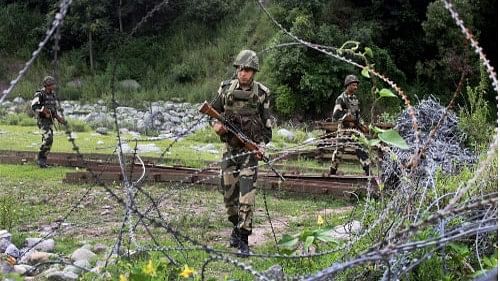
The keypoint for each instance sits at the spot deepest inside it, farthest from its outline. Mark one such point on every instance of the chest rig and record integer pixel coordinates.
(48, 100)
(241, 107)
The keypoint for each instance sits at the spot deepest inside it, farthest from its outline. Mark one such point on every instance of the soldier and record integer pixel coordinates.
(44, 106)
(347, 112)
(245, 103)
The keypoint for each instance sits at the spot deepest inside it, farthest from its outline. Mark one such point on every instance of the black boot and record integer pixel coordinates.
(244, 250)
(367, 170)
(234, 240)
(42, 160)
(333, 171)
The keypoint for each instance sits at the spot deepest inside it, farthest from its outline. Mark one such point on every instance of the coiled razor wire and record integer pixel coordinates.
(396, 243)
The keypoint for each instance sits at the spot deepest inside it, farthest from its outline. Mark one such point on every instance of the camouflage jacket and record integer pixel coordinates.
(345, 104)
(246, 109)
(43, 99)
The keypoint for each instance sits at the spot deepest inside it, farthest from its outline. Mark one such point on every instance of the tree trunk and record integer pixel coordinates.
(91, 54)
(120, 16)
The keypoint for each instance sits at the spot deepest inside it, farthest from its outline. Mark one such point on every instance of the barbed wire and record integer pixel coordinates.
(395, 241)
(473, 42)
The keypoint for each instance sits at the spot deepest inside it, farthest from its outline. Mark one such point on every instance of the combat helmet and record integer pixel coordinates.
(48, 80)
(350, 79)
(247, 59)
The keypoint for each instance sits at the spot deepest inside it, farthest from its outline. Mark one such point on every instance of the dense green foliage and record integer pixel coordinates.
(185, 49)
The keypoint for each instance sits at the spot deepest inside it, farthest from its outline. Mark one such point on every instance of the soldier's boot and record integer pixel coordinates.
(42, 160)
(367, 170)
(333, 170)
(243, 248)
(234, 240)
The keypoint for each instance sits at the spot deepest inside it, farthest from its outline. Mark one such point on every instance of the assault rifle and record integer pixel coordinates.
(350, 121)
(248, 144)
(47, 113)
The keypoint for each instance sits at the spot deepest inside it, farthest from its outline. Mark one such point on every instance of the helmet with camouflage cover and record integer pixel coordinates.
(247, 59)
(48, 80)
(350, 79)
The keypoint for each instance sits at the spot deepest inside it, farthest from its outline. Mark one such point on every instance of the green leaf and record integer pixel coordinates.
(288, 241)
(386, 93)
(365, 72)
(373, 142)
(324, 235)
(392, 137)
(369, 52)
(308, 243)
(378, 130)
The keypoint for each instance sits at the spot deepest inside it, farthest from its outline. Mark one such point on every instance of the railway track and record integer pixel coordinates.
(108, 172)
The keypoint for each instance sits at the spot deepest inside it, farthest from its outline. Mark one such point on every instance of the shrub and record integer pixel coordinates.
(76, 125)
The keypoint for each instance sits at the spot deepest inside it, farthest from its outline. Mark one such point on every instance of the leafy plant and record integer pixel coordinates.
(307, 238)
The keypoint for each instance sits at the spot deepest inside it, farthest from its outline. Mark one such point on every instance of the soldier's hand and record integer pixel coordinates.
(61, 120)
(261, 152)
(45, 112)
(219, 128)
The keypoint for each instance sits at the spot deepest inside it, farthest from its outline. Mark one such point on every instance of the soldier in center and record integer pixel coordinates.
(347, 113)
(245, 103)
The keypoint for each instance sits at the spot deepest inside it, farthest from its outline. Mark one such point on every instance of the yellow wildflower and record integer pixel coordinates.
(123, 277)
(187, 272)
(321, 221)
(149, 269)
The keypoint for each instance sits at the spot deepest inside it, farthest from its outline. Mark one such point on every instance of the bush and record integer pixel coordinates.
(76, 125)
(9, 211)
(18, 119)
(474, 117)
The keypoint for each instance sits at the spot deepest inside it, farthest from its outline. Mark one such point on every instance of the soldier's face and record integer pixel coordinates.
(352, 88)
(245, 75)
(50, 88)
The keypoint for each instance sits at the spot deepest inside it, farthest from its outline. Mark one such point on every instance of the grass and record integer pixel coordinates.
(42, 198)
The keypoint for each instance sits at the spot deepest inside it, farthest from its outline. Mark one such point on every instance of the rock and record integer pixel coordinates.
(5, 234)
(78, 267)
(4, 243)
(5, 267)
(82, 254)
(62, 276)
(39, 245)
(22, 268)
(286, 134)
(175, 119)
(39, 257)
(102, 131)
(274, 273)
(343, 232)
(100, 248)
(150, 147)
(18, 101)
(12, 250)
(129, 84)
(96, 117)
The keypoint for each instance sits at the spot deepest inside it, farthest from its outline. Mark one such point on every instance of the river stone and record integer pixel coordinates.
(82, 254)
(62, 276)
(43, 246)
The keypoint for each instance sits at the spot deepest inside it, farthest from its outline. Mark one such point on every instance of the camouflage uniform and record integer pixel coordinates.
(347, 104)
(249, 111)
(48, 100)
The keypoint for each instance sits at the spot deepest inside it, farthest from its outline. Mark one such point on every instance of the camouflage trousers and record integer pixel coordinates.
(341, 144)
(238, 181)
(47, 137)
